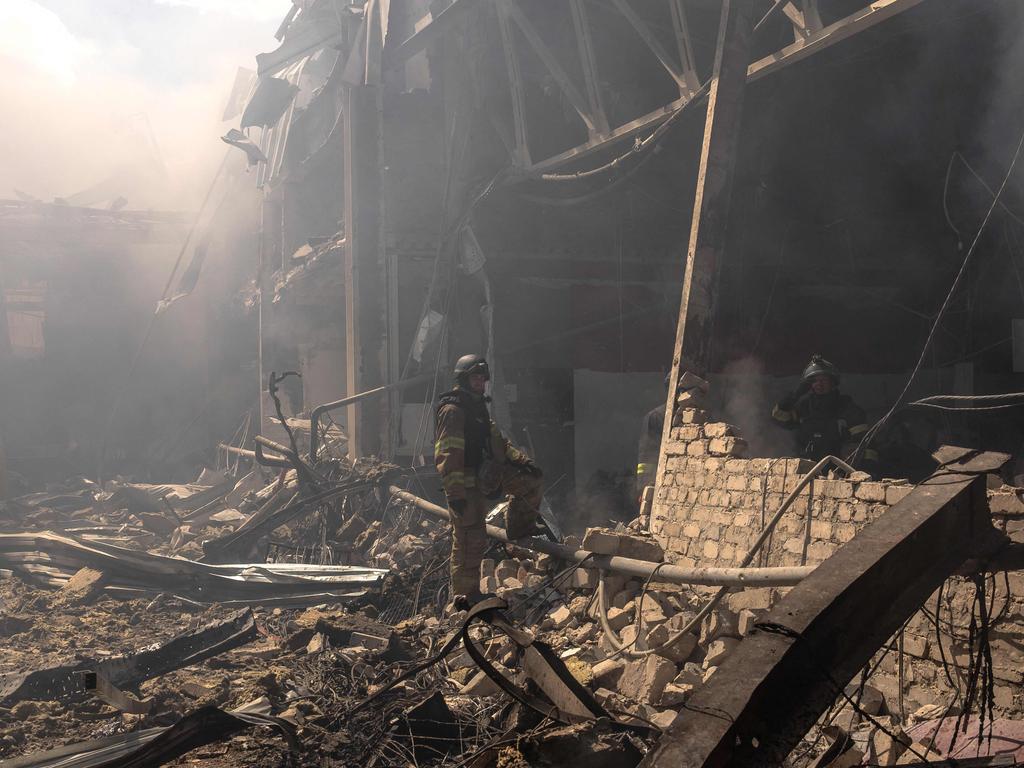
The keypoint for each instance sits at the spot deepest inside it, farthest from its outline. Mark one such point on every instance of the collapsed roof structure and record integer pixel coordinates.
(594, 193)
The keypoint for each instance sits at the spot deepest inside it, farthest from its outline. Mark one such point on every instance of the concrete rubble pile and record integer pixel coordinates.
(228, 619)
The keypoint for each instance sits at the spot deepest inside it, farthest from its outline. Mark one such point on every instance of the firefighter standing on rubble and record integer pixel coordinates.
(477, 464)
(826, 422)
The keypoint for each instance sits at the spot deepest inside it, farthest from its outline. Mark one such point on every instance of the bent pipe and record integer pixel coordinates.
(317, 413)
(642, 569)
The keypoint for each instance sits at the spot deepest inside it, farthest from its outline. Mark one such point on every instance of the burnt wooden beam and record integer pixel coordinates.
(774, 687)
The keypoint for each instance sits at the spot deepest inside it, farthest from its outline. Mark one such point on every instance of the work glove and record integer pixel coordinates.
(457, 506)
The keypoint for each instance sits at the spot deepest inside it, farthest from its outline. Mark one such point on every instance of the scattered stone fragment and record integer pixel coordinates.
(719, 650)
(675, 695)
(560, 617)
(644, 680)
(679, 651)
(317, 644)
(664, 718)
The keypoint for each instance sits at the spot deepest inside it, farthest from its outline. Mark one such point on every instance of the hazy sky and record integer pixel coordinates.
(85, 81)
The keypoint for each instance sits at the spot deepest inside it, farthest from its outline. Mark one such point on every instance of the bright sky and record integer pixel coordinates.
(85, 81)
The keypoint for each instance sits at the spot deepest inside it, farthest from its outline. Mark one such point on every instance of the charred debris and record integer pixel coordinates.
(223, 540)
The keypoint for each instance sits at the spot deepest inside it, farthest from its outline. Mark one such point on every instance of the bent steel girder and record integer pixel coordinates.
(774, 687)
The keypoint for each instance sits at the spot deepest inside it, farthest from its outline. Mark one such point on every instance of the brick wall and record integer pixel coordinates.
(710, 502)
(708, 507)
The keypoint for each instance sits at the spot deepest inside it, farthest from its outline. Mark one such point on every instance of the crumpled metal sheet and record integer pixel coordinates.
(51, 559)
(123, 671)
(157, 746)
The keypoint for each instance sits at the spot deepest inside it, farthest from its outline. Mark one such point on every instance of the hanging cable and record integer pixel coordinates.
(871, 433)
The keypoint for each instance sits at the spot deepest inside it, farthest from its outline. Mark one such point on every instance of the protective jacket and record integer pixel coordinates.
(466, 437)
(650, 445)
(824, 424)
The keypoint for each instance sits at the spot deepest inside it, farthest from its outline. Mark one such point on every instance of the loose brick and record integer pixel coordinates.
(870, 491)
(896, 493)
(727, 446)
(692, 416)
(719, 429)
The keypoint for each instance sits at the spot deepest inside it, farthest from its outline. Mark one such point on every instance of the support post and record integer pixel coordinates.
(366, 295)
(711, 202)
(271, 246)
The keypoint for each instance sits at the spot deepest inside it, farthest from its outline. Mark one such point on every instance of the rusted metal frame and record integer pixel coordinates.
(682, 32)
(515, 84)
(806, 19)
(427, 33)
(551, 63)
(783, 676)
(877, 12)
(652, 42)
(104, 690)
(588, 64)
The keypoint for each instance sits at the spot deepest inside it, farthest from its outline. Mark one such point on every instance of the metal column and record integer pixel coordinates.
(366, 295)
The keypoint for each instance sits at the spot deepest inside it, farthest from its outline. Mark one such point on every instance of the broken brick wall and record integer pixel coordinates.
(711, 503)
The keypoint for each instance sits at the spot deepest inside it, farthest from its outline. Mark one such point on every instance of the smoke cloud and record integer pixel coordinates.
(128, 94)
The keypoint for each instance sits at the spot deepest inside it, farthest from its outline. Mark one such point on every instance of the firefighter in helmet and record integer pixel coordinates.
(825, 421)
(477, 465)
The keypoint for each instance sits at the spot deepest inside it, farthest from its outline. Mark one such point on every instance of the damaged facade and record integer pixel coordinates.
(603, 199)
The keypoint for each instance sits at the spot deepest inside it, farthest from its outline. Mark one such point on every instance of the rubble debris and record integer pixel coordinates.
(121, 671)
(46, 558)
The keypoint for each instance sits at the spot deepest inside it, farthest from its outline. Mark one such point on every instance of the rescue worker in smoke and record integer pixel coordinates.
(477, 465)
(825, 421)
(650, 445)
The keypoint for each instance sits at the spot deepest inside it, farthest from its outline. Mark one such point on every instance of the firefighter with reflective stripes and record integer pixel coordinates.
(825, 421)
(477, 465)
(650, 445)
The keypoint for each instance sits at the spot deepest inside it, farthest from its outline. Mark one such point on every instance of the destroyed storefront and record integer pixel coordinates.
(541, 184)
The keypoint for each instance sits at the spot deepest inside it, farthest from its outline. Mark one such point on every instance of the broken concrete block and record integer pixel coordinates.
(506, 569)
(719, 623)
(84, 587)
(727, 446)
(644, 680)
(608, 672)
(664, 718)
(481, 685)
(719, 650)
(708, 673)
(601, 541)
(578, 606)
(560, 617)
(679, 651)
(317, 644)
(585, 578)
(882, 748)
(746, 620)
(751, 599)
(511, 583)
(487, 567)
(618, 619)
(586, 635)
(719, 429)
(690, 675)
(623, 599)
(488, 585)
(651, 611)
